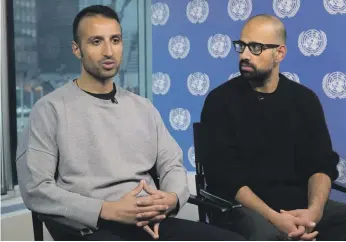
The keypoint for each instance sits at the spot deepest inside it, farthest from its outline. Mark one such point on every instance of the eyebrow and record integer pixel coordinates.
(91, 38)
(251, 42)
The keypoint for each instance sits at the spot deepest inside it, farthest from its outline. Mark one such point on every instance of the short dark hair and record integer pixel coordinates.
(92, 10)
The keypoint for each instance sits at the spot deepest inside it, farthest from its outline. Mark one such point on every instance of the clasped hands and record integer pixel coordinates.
(141, 211)
(298, 224)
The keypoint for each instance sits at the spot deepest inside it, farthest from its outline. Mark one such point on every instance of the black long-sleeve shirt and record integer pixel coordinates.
(271, 142)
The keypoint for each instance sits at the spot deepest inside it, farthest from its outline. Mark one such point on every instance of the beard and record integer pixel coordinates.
(97, 71)
(256, 77)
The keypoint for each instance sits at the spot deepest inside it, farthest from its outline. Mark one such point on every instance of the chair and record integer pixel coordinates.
(206, 202)
(216, 216)
(339, 187)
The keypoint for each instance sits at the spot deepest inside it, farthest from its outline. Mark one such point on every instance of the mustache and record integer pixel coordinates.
(246, 63)
(108, 59)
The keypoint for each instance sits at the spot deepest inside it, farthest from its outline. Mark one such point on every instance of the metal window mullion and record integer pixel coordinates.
(145, 48)
(6, 168)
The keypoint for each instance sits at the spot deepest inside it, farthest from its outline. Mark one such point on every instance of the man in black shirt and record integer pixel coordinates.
(270, 148)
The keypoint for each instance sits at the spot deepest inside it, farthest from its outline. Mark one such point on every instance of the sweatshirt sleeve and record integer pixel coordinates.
(37, 159)
(319, 156)
(224, 170)
(169, 163)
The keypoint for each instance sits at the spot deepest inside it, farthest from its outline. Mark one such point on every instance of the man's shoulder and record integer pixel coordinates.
(52, 99)
(304, 98)
(302, 92)
(137, 100)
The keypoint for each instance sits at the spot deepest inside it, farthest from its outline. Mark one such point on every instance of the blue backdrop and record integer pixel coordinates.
(192, 54)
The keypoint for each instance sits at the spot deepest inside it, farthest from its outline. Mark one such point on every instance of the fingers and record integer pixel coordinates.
(155, 199)
(309, 236)
(308, 230)
(294, 213)
(142, 223)
(138, 188)
(305, 222)
(154, 208)
(149, 231)
(297, 233)
(147, 215)
(156, 219)
(149, 189)
(156, 229)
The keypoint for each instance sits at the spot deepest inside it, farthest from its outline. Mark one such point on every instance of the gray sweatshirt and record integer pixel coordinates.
(78, 151)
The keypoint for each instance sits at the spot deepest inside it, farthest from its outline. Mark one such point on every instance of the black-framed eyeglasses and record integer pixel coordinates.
(254, 47)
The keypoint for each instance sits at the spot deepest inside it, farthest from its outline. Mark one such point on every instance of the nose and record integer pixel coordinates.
(107, 49)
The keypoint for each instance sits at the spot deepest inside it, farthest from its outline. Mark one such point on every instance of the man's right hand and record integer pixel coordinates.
(294, 226)
(126, 210)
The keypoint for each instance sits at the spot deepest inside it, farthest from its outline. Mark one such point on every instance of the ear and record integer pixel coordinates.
(76, 50)
(280, 53)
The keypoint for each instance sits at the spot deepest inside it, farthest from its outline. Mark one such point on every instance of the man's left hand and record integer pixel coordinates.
(167, 199)
(310, 214)
(155, 197)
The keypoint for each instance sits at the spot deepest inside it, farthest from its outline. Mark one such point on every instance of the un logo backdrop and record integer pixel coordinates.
(192, 54)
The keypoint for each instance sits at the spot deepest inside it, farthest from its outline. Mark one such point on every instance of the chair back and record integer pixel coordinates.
(200, 144)
(200, 154)
(37, 225)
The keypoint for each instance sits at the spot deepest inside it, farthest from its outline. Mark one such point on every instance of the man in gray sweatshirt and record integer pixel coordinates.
(89, 145)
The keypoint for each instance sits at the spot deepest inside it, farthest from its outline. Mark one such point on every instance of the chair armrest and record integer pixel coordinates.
(202, 202)
(212, 202)
(220, 201)
(64, 224)
(338, 187)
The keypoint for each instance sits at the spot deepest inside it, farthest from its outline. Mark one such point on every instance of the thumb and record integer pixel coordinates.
(156, 229)
(150, 231)
(138, 188)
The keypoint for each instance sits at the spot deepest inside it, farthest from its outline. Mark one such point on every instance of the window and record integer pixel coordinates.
(43, 58)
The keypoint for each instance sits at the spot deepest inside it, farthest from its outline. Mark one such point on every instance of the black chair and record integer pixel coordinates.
(73, 230)
(217, 216)
(338, 187)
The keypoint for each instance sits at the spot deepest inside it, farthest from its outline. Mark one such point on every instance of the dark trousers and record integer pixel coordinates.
(253, 226)
(170, 229)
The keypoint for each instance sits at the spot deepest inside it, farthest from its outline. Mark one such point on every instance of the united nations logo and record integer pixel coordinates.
(286, 8)
(191, 156)
(219, 45)
(334, 85)
(335, 6)
(197, 11)
(292, 76)
(179, 47)
(239, 9)
(159, 13)
(161, 83)
(342, 171)
(198, 83)
(179, 118)
(312, 42)
(234, 75)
